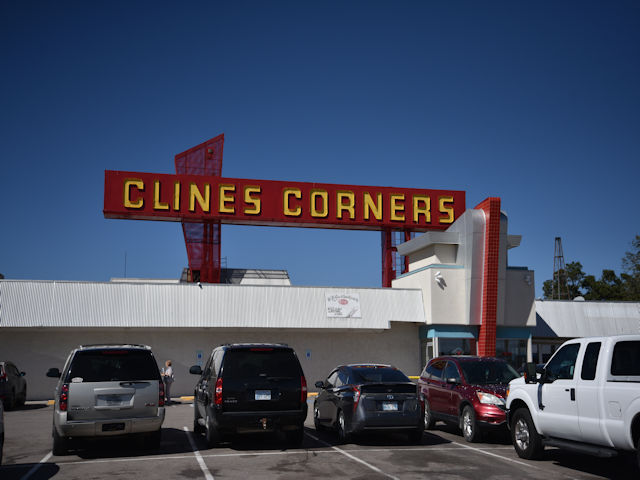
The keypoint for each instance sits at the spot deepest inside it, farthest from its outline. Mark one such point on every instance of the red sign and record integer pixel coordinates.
(196, 198)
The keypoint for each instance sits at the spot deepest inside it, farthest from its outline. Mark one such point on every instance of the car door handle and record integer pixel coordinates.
(573, 393)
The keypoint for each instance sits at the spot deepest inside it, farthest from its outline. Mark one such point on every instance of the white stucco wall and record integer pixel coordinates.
(520, 306)
(444, 301)
(35, 350)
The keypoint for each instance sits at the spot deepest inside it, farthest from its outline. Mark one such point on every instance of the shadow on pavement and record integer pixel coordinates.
(18, 471)
(622, 467)
(173, 441)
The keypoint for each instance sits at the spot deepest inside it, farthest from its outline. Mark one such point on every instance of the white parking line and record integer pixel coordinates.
(37, 466)
(352, 457)
(196, 452)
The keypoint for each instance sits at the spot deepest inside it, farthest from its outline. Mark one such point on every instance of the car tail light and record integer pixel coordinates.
(303, 389)
(64, 397)
(161, 393)
(218, 393)
(3, 374)
(356, 397)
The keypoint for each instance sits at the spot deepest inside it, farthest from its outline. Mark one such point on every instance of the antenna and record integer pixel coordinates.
(559, 290)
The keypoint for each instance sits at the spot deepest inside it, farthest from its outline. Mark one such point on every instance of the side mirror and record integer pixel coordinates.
(452, 381)
(320, 384)
(530, 373)
(195, 370)
(54, 373)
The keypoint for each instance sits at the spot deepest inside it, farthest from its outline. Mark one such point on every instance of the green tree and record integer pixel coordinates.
(631, 275)
(573, 276)
(608, 287)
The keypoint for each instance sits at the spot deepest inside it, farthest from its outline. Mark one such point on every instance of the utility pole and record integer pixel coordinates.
(559, 290)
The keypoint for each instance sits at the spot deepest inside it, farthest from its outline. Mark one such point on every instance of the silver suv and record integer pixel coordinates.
(107, 390)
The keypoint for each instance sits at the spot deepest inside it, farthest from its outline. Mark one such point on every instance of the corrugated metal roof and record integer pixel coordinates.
(86, 304)
(570, 319)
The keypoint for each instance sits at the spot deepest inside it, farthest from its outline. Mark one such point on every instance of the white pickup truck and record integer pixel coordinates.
(586, 398)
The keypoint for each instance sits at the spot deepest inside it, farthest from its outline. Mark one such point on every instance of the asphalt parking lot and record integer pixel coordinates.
(443, 455)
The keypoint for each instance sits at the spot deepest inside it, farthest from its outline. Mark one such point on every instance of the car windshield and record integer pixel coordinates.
(378, 374)
(487, 372)
(113, 365)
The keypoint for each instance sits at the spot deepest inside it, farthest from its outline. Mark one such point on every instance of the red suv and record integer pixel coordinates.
(467, 391)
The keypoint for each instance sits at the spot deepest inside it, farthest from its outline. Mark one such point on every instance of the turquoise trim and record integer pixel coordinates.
(448, 331)
(513, 332)
(435, 265)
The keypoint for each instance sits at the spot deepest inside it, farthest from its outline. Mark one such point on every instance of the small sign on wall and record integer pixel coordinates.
(343, 305)
(199, 357)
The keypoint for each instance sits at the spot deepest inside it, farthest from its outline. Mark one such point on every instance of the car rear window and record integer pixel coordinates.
(626, 359)
(261, 362)
(377, 374)
(113, 365)
(481, 372)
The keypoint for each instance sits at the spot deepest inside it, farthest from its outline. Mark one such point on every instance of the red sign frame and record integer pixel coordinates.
(197, 198)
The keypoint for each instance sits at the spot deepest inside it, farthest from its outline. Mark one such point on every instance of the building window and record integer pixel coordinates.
(542, 352)
(456, 346)
(513, 350)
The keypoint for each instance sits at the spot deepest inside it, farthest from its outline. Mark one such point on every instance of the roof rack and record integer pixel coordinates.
(137, 345)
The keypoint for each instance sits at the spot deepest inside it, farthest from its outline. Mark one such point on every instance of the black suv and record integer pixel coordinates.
(247, 388)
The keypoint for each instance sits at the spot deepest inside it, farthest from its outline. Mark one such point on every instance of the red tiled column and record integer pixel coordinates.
(487, 331)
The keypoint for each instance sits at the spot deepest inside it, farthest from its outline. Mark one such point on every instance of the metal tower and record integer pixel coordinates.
(559, 290)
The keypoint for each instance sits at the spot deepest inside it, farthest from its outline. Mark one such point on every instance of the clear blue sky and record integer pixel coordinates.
(534, 102)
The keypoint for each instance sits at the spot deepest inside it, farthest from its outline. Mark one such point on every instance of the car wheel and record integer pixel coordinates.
(316, 419)
(343, 432)
(60, 444)
(295, 437)
(524, 436)
(197, 428)
(470, 429)
(23, 396)
(429, 421)
(211, 433)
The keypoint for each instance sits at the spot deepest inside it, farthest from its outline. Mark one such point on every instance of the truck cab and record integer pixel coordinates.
(586, 398)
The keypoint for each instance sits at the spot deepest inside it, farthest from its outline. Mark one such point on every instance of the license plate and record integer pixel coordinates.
(112, 427)
(113, 400)
(390, 406)
(263, 395)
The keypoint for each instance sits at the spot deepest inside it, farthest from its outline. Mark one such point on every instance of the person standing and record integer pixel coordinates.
(167, 377)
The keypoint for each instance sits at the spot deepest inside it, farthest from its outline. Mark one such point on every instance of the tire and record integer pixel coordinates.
(637, 453)
(343, 430)
(470, 430)
(23, 396)
(316, 421)
(429, 421)
(60, 444)
(211, 433)
(524, 436)
(295, 437)
(197, 428)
